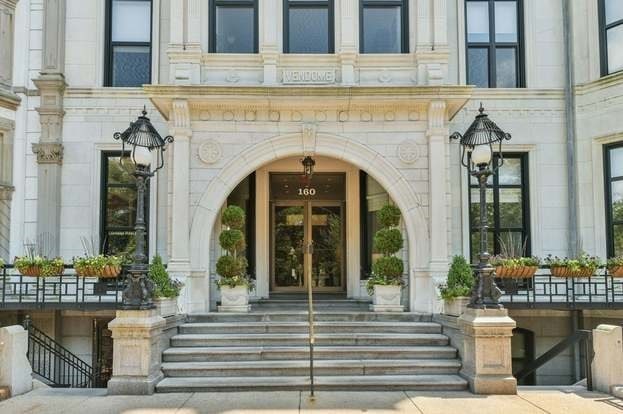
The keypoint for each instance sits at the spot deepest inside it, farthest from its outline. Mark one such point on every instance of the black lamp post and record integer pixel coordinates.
(142, 139)
(479, 140)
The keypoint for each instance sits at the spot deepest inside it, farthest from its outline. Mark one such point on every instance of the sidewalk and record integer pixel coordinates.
(530, 400)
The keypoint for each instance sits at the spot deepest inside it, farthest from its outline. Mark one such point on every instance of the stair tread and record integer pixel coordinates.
(287, 336)
(305, 348)
(298, 381)
(318, 363)
(379, 324)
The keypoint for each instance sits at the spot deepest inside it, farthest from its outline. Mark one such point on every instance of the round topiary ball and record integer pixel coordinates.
(388, 267)
(232, 240)
(228, 266)
(389, 216)
(233, 217)
(388, 241)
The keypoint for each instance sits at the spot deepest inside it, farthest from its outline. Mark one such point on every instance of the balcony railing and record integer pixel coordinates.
(66, 291)
(544, 291)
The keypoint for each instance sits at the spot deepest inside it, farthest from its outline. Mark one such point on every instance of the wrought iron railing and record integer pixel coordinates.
(66, 291)
(550, 292)
(54, 363)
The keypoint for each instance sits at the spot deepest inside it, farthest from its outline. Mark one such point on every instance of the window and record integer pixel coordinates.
(118, 205)
(507, 209)
(611, 24)
(494, 52)
(243, 196)
(613, 162)
(128, 51)
(372, 198)
(384, 26)
(308, 26)
(233, 26)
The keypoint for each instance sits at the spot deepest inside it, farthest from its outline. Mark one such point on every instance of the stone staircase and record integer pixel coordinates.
(268, 350)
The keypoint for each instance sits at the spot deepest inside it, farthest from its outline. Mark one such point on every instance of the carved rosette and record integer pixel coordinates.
(48, 153)
(210, 152)
(408, 152)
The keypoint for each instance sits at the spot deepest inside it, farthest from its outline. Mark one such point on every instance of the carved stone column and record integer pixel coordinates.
(179, 261)
(49, 150)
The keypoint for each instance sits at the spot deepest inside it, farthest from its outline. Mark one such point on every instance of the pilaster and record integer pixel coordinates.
(179, 261)
(348, 44)
(136, 352)
(7, 23)
(269, 48)
(487, 357)
(53, 53)
(184, 42)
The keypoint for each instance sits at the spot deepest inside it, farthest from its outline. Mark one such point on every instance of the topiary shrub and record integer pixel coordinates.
(460, 279)
(232, 267)
(164, 286)
(388, 269)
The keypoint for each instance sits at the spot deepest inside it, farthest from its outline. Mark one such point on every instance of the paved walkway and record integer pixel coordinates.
(529, 400)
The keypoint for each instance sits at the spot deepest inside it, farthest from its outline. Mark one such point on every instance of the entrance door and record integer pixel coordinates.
(298, 225)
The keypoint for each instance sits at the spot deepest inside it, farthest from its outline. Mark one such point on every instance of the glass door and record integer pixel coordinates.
(296, 226)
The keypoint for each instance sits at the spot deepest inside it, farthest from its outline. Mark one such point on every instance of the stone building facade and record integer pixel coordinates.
(245, 102)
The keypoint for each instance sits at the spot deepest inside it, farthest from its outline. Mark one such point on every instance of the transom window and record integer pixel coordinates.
(118, 205)
(613, 157)
(611, 23)
(234, 26)
(494, 52)
(507, 209)
(384, 26)
(308, 26)
(128, 51)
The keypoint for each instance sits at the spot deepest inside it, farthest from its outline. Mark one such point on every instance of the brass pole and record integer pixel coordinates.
(310, 312)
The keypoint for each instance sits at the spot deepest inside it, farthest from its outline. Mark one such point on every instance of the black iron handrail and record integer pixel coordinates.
(544, 290)
(66, 291)
(585, 337)
(55, 363)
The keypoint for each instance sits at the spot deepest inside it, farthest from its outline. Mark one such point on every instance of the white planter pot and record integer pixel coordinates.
(456, 306)
(386, 299)
(166, 306)
(234, 299)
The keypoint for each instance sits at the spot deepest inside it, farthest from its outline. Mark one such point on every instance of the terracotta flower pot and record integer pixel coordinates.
(522, 272)
(109, 272)
(30, 271)
(564, 271)
(615, 271)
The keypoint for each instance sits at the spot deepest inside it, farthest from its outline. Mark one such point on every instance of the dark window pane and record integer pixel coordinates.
(382, 30)
(118, 174)
(131, 65)
(506, 68)
(614, 11)
(512, 244)
(308, 30)
(235, 30)
(615, 48)
(505, 21)
(510, 207)
(477, 21)
(475, 207)
(121, 207)
(476, 244)
(617, 236)
(617, 200)
(478, 67)
(616, 162)
(119, 242)
(510, 172)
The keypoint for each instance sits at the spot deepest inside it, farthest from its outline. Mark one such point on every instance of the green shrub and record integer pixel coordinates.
(233, 217)
(164, 286)
(389, 216)
(388, 241)
(460, 279)
(232, 240)
(389, 267)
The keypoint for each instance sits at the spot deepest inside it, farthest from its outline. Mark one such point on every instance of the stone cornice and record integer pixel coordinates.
(308, 98)
(6, 192)
(8, 3)
(616, 79)
(9, 100)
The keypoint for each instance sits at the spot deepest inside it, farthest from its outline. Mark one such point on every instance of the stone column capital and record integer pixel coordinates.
(48, 152)
(6, 192)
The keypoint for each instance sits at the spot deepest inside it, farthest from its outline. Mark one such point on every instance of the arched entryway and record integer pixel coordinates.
(421, 289)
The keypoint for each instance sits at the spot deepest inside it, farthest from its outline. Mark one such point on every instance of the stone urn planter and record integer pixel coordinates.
(166, 306)
(456, 306)
(234, 299)
(386, 298)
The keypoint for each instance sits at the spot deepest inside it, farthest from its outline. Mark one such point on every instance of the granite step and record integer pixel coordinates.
(301, 316)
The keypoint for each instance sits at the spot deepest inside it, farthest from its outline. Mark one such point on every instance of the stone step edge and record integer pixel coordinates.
(325, 363)
(305, 349)
(324, 335)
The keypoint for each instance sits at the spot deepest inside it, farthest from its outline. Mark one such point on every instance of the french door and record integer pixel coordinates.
(300, 227)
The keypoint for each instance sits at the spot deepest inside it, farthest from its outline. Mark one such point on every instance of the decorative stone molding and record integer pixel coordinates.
(48, 153)
(6, 192)
(436, 115)
(309, 131)
(408, 152)
(210, 152)
(232, 77)
(180, 114)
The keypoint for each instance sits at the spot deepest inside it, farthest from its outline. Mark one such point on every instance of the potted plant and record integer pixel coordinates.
(457, 289)
(98, 266)
(615, 266)
(234, 283)
(39, 266)
(515, 267)
(582, 266)
(166, 290)
(385, 283)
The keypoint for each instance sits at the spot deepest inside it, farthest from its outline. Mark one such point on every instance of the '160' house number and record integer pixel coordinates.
(307, 191)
